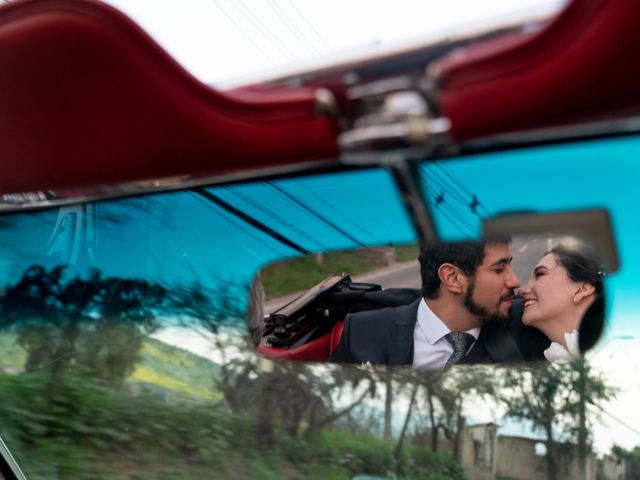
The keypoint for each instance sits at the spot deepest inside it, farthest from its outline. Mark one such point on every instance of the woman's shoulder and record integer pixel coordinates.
(558, 352)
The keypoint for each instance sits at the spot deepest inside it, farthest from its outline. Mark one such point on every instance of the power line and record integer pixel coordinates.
(262, 28)
(460, 207)
(338, 212)
(619, 420)
(468, 200)
(440, 199)
(455, 223)
(438, 186)
(448, 208)
(230, 18)
(249, 219)
(457, 183)
(229, 218)
(314, 213)
(269, 213)
(471, 203)
(473, 197)
(462, 220)
(310, 25)
(293, 28)
(431, 176)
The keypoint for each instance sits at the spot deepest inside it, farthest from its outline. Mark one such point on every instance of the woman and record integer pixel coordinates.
(565, 289)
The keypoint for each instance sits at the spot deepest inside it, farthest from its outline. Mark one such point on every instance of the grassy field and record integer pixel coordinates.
(407, 253)
(176, 370)
(302, 273)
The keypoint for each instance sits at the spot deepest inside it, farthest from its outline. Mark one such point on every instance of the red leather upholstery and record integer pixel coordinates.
(582, 66)
(87, 98)
(336, 335)
(317, 350)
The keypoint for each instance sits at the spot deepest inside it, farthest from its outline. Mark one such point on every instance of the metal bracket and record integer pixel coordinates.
(408, 180)
(395, 123)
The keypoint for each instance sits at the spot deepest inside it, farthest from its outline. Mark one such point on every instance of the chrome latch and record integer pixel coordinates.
(392, 114)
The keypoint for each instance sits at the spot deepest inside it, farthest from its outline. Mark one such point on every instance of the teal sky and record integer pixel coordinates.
(180, 237)
(183, 237)
(572, 176)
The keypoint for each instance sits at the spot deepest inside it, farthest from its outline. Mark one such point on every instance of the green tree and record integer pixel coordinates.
(90, 326)
(445, 394)
(553, 397)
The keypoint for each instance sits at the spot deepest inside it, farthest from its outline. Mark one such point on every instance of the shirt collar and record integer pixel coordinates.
(434, 328)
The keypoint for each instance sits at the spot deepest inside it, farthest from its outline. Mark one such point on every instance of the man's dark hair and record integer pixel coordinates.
(464, 255)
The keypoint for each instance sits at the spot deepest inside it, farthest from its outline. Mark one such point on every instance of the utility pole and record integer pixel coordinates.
(583, 367)
(388, 404)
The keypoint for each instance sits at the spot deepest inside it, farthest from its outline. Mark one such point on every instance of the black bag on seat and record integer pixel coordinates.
(314, 313)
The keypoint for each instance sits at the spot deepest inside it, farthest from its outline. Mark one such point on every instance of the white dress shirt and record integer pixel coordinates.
(430, 349)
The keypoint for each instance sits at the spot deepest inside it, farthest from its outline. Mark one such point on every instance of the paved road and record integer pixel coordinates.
(526, 253)
(405, 274)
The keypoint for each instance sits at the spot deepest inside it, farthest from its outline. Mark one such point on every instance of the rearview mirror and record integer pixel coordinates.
(341, 318)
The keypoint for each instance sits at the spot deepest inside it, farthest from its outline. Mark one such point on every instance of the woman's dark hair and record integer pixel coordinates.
(580, 266)
(583, 267)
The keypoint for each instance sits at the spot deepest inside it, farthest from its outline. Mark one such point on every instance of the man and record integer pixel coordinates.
(465, 286)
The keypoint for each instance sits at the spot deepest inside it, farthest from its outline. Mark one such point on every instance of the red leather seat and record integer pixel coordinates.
(317, 350)
(336, 336)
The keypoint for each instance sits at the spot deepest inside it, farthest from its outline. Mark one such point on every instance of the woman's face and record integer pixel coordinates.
(548, 294)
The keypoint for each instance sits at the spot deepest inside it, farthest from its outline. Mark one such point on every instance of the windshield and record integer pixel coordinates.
(124, 349)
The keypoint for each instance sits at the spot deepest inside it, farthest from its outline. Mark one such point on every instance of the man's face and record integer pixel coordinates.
(490, 291)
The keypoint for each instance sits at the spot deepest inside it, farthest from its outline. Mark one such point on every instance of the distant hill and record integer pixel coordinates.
(12, 355)
(176, 369)
(161, 366)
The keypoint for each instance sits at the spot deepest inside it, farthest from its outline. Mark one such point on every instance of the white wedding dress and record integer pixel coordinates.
(557, 352)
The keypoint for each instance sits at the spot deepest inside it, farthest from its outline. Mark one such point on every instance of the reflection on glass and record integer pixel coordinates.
(121, 356)
(563, 294)
(521, 298)
(599, 173)
(122, 344)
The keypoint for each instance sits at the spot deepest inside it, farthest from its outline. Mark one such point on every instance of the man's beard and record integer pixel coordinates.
(482, 313)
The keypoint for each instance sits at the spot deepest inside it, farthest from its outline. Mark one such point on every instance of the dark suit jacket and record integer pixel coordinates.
(385, 336)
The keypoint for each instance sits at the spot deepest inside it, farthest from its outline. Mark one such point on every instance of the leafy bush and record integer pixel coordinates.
(421, 463)
(70, 421)
(356, 452)
(80, 429)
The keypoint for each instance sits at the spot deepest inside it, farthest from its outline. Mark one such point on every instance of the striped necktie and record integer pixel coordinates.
(460, 341)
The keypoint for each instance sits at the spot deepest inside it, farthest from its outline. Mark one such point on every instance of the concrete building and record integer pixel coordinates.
(486, 456)
(478, 451)
(613, 468)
